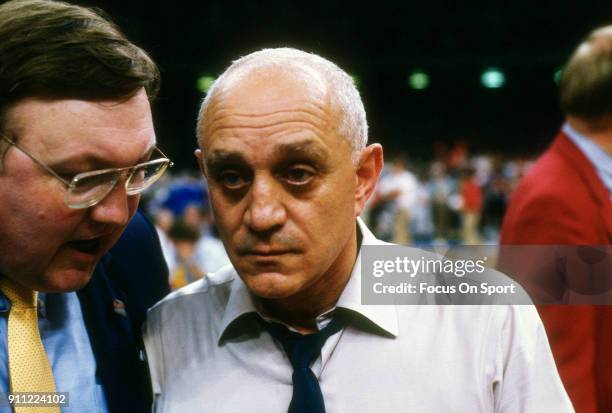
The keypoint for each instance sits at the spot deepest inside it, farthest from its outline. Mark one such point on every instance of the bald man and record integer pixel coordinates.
(283, 146)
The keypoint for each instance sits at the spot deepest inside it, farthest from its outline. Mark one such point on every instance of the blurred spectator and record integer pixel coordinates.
(421, 224)
(186, 268)
(210, 253)
(179, 193)
(441, 186)
(164, 219)
(398, 190)
(458, 156)
(565, 199)
(471, 195)
(191, 247)
(192, 215)
(483, 169)
(496, 195)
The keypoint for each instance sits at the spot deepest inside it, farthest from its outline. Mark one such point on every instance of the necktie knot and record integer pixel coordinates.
(19, 296)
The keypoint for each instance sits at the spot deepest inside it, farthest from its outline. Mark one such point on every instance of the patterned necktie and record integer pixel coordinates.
(302, 350)
(29, 368)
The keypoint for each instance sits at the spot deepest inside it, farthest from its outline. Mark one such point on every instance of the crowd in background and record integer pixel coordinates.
(180, 210)
(455, 199)
(458, 199)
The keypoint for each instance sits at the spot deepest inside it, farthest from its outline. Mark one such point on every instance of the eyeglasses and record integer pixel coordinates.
(89, 188)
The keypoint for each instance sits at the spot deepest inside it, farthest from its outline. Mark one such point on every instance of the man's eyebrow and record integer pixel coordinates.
(305, 149)
(219, 157)
(308, 148)
(93, 162)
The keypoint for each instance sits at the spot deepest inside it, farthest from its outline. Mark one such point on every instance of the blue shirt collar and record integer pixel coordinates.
(600, 159)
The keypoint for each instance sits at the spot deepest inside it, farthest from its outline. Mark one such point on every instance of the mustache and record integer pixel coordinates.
(275, 242)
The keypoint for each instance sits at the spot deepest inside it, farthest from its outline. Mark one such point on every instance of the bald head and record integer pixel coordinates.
(309, 75)
(586, 84)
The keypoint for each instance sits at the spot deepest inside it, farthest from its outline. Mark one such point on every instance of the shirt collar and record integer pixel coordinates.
(384, 316)
(241, 302)
(597, 156)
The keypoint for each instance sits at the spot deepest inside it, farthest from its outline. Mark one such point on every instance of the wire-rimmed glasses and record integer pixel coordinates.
(89, 188)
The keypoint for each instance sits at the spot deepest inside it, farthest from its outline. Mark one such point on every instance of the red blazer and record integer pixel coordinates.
(562, 201)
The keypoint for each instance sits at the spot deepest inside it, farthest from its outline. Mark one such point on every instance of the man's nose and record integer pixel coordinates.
(114, 208)
(265, 211)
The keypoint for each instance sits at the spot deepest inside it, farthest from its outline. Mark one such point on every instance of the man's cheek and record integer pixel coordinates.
(133, 202)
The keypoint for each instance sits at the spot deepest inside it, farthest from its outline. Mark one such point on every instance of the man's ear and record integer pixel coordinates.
(200, 159)
(368, 170)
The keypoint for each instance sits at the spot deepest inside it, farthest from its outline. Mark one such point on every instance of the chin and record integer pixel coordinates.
(271, 285)
(66, 280)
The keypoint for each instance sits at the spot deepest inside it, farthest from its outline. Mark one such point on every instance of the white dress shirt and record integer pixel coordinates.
(208, 352)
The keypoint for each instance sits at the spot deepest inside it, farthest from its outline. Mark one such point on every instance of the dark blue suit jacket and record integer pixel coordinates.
(128, 280)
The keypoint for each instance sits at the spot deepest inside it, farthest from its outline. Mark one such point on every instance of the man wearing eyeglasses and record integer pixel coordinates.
(77, 147)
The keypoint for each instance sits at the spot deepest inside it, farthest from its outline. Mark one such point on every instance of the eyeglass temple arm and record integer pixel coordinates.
(39, 163)
(165, 156)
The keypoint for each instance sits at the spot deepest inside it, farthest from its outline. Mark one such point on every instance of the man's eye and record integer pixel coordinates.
(299, 175)
(231, 179)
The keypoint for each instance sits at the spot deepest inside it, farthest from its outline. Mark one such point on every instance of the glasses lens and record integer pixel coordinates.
(90, 189)
(145, 175)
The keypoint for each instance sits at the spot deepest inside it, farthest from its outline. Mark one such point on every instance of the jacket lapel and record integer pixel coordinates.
(120, 359)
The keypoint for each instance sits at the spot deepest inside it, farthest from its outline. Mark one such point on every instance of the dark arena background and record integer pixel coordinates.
(421, 66)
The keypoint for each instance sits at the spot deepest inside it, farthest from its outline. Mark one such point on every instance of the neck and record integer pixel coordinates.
(301, 310)
(598, 131)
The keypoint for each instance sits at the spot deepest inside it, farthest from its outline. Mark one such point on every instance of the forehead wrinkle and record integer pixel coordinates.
(314, 111)
(268, 125)
(228, 102)
(281, 129)
(223, 118)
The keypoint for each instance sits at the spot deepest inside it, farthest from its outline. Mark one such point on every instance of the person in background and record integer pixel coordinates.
(164, 219)
(210, 252)
(399, 191)
(186, 268)
(565, 199)
(77, 147)
(441, 187)
(471, 195)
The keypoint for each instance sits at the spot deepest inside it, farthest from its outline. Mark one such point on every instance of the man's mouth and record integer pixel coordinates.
(89, 246)
(266, 252)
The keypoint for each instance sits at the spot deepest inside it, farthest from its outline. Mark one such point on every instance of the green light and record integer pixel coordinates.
(418, 80)
(204, 83)
(492, 78)
(356, 80)
(557, 75)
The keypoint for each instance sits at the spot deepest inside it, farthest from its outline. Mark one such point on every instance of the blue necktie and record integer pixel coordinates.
(302, 350)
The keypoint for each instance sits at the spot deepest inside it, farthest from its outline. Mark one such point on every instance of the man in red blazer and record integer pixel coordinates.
(566, 199)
